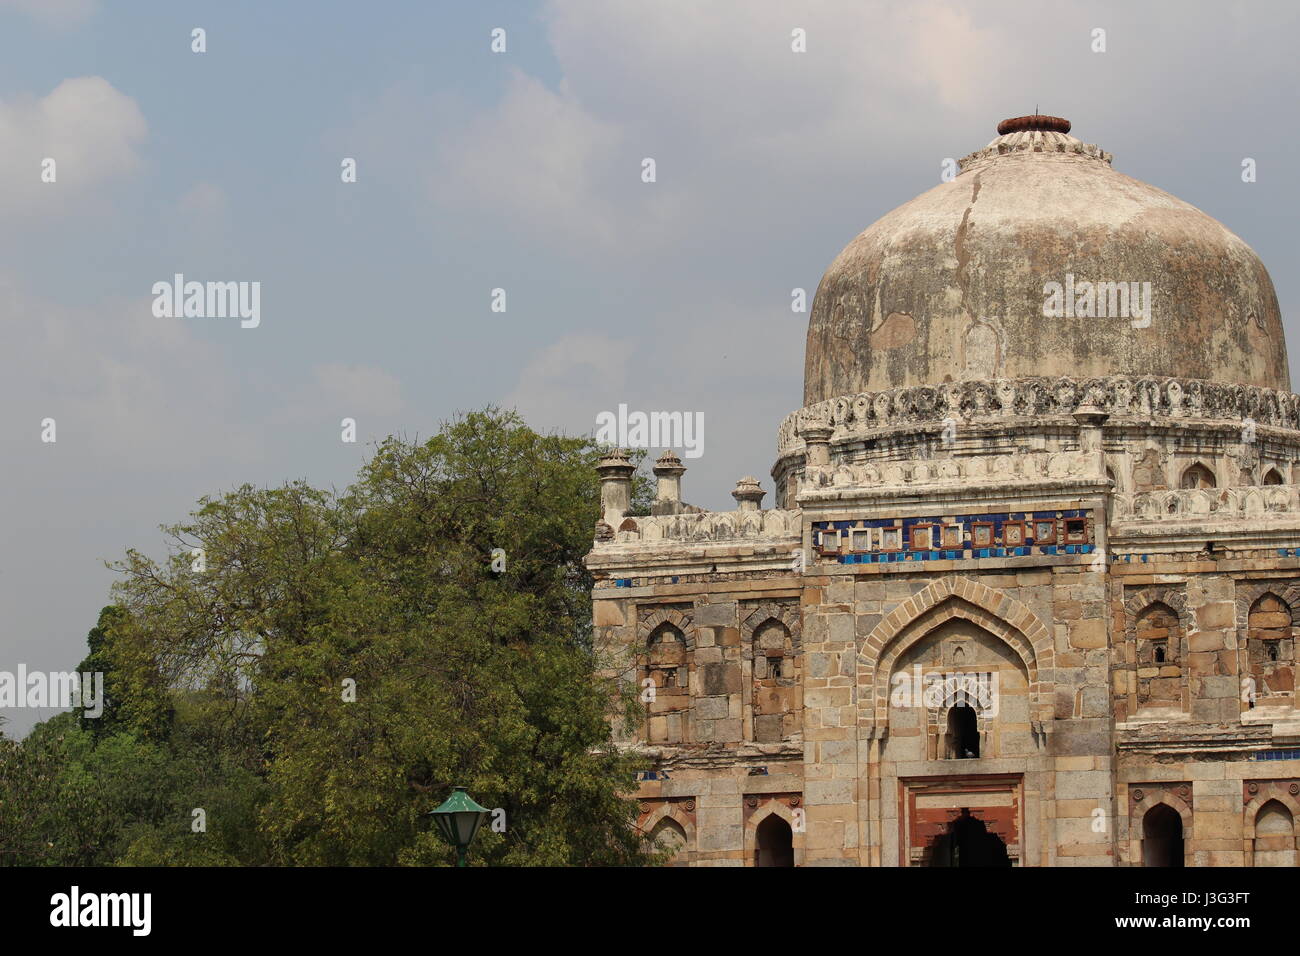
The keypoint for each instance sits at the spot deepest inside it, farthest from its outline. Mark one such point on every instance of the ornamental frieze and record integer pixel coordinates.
(1008, 400)
(1196, 502)
(883, 476)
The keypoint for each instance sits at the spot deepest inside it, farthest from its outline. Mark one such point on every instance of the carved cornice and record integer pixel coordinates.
(740, 525)
(1013, 470)
(1184, 737)
(1025, 400)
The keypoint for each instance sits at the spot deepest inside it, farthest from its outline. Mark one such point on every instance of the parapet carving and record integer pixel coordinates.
(1027, 398)
(1216, 502)
(952, 471)
(710, 526)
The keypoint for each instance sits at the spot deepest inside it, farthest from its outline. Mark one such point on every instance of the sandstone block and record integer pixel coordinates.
(716, 615)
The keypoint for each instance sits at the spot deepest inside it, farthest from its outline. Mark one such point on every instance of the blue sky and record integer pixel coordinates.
(520, 171)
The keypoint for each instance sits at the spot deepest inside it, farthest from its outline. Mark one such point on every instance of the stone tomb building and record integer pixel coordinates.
(1030, 590)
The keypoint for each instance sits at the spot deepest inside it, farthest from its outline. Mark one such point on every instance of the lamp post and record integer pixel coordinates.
(458, 819)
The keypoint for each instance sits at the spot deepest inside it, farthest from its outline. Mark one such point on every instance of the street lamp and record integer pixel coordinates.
(458, 819)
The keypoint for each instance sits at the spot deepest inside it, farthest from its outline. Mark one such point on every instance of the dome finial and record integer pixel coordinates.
(1019, 124)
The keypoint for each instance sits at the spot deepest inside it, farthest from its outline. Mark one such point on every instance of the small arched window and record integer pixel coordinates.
(1272, 477)
(1197, 476)
(963, 741)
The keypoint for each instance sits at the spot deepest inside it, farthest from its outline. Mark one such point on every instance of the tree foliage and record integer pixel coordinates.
(315, 671)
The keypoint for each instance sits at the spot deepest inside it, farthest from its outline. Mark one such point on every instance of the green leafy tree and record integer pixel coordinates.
(66, 799)
(357, 655)
(136, 696)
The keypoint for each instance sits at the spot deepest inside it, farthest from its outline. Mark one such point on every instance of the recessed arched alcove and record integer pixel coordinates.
(1197, 476)
(951, 599)
(960, 692)
(1275, 835)
(668, 837)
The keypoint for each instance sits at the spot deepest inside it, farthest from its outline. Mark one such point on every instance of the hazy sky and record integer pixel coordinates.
(518, 170)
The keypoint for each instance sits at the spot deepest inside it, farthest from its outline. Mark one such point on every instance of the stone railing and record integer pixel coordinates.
(1207, 503)
(913, 475)
(1009, 400)
(737, 525)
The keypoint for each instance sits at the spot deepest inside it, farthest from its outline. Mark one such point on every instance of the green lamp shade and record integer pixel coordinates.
(459, 818)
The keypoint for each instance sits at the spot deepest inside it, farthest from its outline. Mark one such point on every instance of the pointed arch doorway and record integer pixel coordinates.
(967, 842)
(972, 821)
(774, 843)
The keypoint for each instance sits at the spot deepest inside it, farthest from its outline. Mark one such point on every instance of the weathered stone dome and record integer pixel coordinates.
(954, 284)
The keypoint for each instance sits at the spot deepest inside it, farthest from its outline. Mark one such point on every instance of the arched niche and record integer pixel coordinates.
(1197, 475)
(665, 682)
(959, 691)
(1271, 826)
(1275, 841)
(946, 599)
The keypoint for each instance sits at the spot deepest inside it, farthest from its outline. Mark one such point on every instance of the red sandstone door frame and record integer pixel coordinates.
(927, 805)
